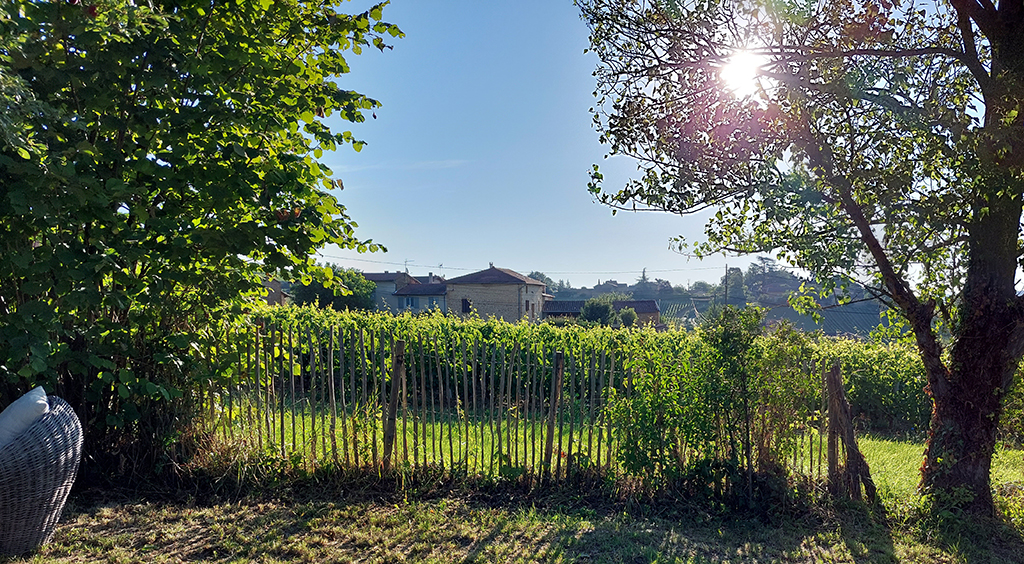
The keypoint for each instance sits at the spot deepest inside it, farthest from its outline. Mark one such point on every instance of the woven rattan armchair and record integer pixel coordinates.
(37, 470)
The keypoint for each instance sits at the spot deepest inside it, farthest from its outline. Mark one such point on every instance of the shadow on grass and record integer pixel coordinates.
(977, 540)
(866, 533)
(445, 520)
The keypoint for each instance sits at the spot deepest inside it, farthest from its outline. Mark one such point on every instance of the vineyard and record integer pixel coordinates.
(321, 389)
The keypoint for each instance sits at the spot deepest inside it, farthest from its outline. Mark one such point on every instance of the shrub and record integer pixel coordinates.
(598, 310)
(627, 316)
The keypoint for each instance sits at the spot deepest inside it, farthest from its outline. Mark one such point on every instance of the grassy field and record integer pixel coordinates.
(328, 522)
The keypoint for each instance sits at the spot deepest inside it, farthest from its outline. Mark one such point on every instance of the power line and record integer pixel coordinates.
(408, 262)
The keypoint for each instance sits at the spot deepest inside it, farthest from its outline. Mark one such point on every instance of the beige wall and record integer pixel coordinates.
(507, 301)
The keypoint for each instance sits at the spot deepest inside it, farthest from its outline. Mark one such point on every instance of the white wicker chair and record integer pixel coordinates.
(37, 470)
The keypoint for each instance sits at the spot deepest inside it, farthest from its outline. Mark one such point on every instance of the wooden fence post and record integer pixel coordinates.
(397, 378)
(556, 394)
(840, 427)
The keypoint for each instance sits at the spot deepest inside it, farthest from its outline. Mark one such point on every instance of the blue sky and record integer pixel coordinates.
(481, 152)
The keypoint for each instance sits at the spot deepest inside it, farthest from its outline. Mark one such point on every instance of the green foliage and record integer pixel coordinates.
(160, 158)
(884, 382)
(732, 393)
(598, 310)
(627, 316)
(351, 291)
(879, 143)
(541, 277)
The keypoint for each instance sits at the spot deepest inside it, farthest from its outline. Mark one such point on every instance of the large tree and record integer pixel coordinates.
(879, 140)
(352, 291)
(157, 159)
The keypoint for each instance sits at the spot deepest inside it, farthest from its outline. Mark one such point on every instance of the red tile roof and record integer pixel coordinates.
(495, 275)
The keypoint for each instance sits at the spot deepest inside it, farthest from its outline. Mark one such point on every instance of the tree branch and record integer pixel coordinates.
(919, 314)
(971, 59)
(983, 12)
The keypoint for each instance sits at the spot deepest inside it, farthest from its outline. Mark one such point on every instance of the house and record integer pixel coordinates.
(647, 311)
(609, 286)
(418, 298)
(277, 293)
(497, 292)
(387, 284)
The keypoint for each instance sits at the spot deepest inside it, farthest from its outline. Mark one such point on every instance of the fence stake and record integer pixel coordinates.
(590, 412)
(531, 408)
(446, 394)
(397, 376)
(405, 414)
(573, 414)
(556, 392)
(599, 419)
(258, 392)
(541, 416)
(423, 398)
(334, 405)
(284, 389)
(510, 422)
(608, 420)
(344, 401)
(491, 413)
(561, 426)
(434, 439)
(499, 387)
(465, 410)
(311, 400)
(519, 412)
(419, 424)
(415, 417)
(478, 407)
(376, 348)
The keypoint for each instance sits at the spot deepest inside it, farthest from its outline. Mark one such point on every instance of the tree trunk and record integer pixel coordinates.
(967, 400)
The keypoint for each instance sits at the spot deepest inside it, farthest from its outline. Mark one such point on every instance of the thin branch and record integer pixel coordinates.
(971, 59)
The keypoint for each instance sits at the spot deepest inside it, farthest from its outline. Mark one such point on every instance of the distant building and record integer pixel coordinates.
(609, 286)
(276, 293)
(418, 298)
(497, 292)
(388, 283)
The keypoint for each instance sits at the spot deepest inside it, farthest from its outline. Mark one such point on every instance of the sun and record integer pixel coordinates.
(740, 73)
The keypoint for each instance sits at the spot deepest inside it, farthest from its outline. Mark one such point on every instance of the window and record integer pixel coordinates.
(527, 306)
(467, 305)
(412, 303)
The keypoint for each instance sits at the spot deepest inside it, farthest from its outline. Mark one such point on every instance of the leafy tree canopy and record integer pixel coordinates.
(155, 159)
(541, 277)
(880, 141)
(351, 291)
(598, 310)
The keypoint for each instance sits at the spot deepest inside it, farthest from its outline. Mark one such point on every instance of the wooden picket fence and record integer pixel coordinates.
(360, 399)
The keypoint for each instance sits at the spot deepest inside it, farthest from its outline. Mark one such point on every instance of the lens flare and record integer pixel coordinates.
(740, 73)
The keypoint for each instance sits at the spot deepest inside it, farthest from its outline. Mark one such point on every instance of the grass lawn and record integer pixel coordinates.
(324, 523)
